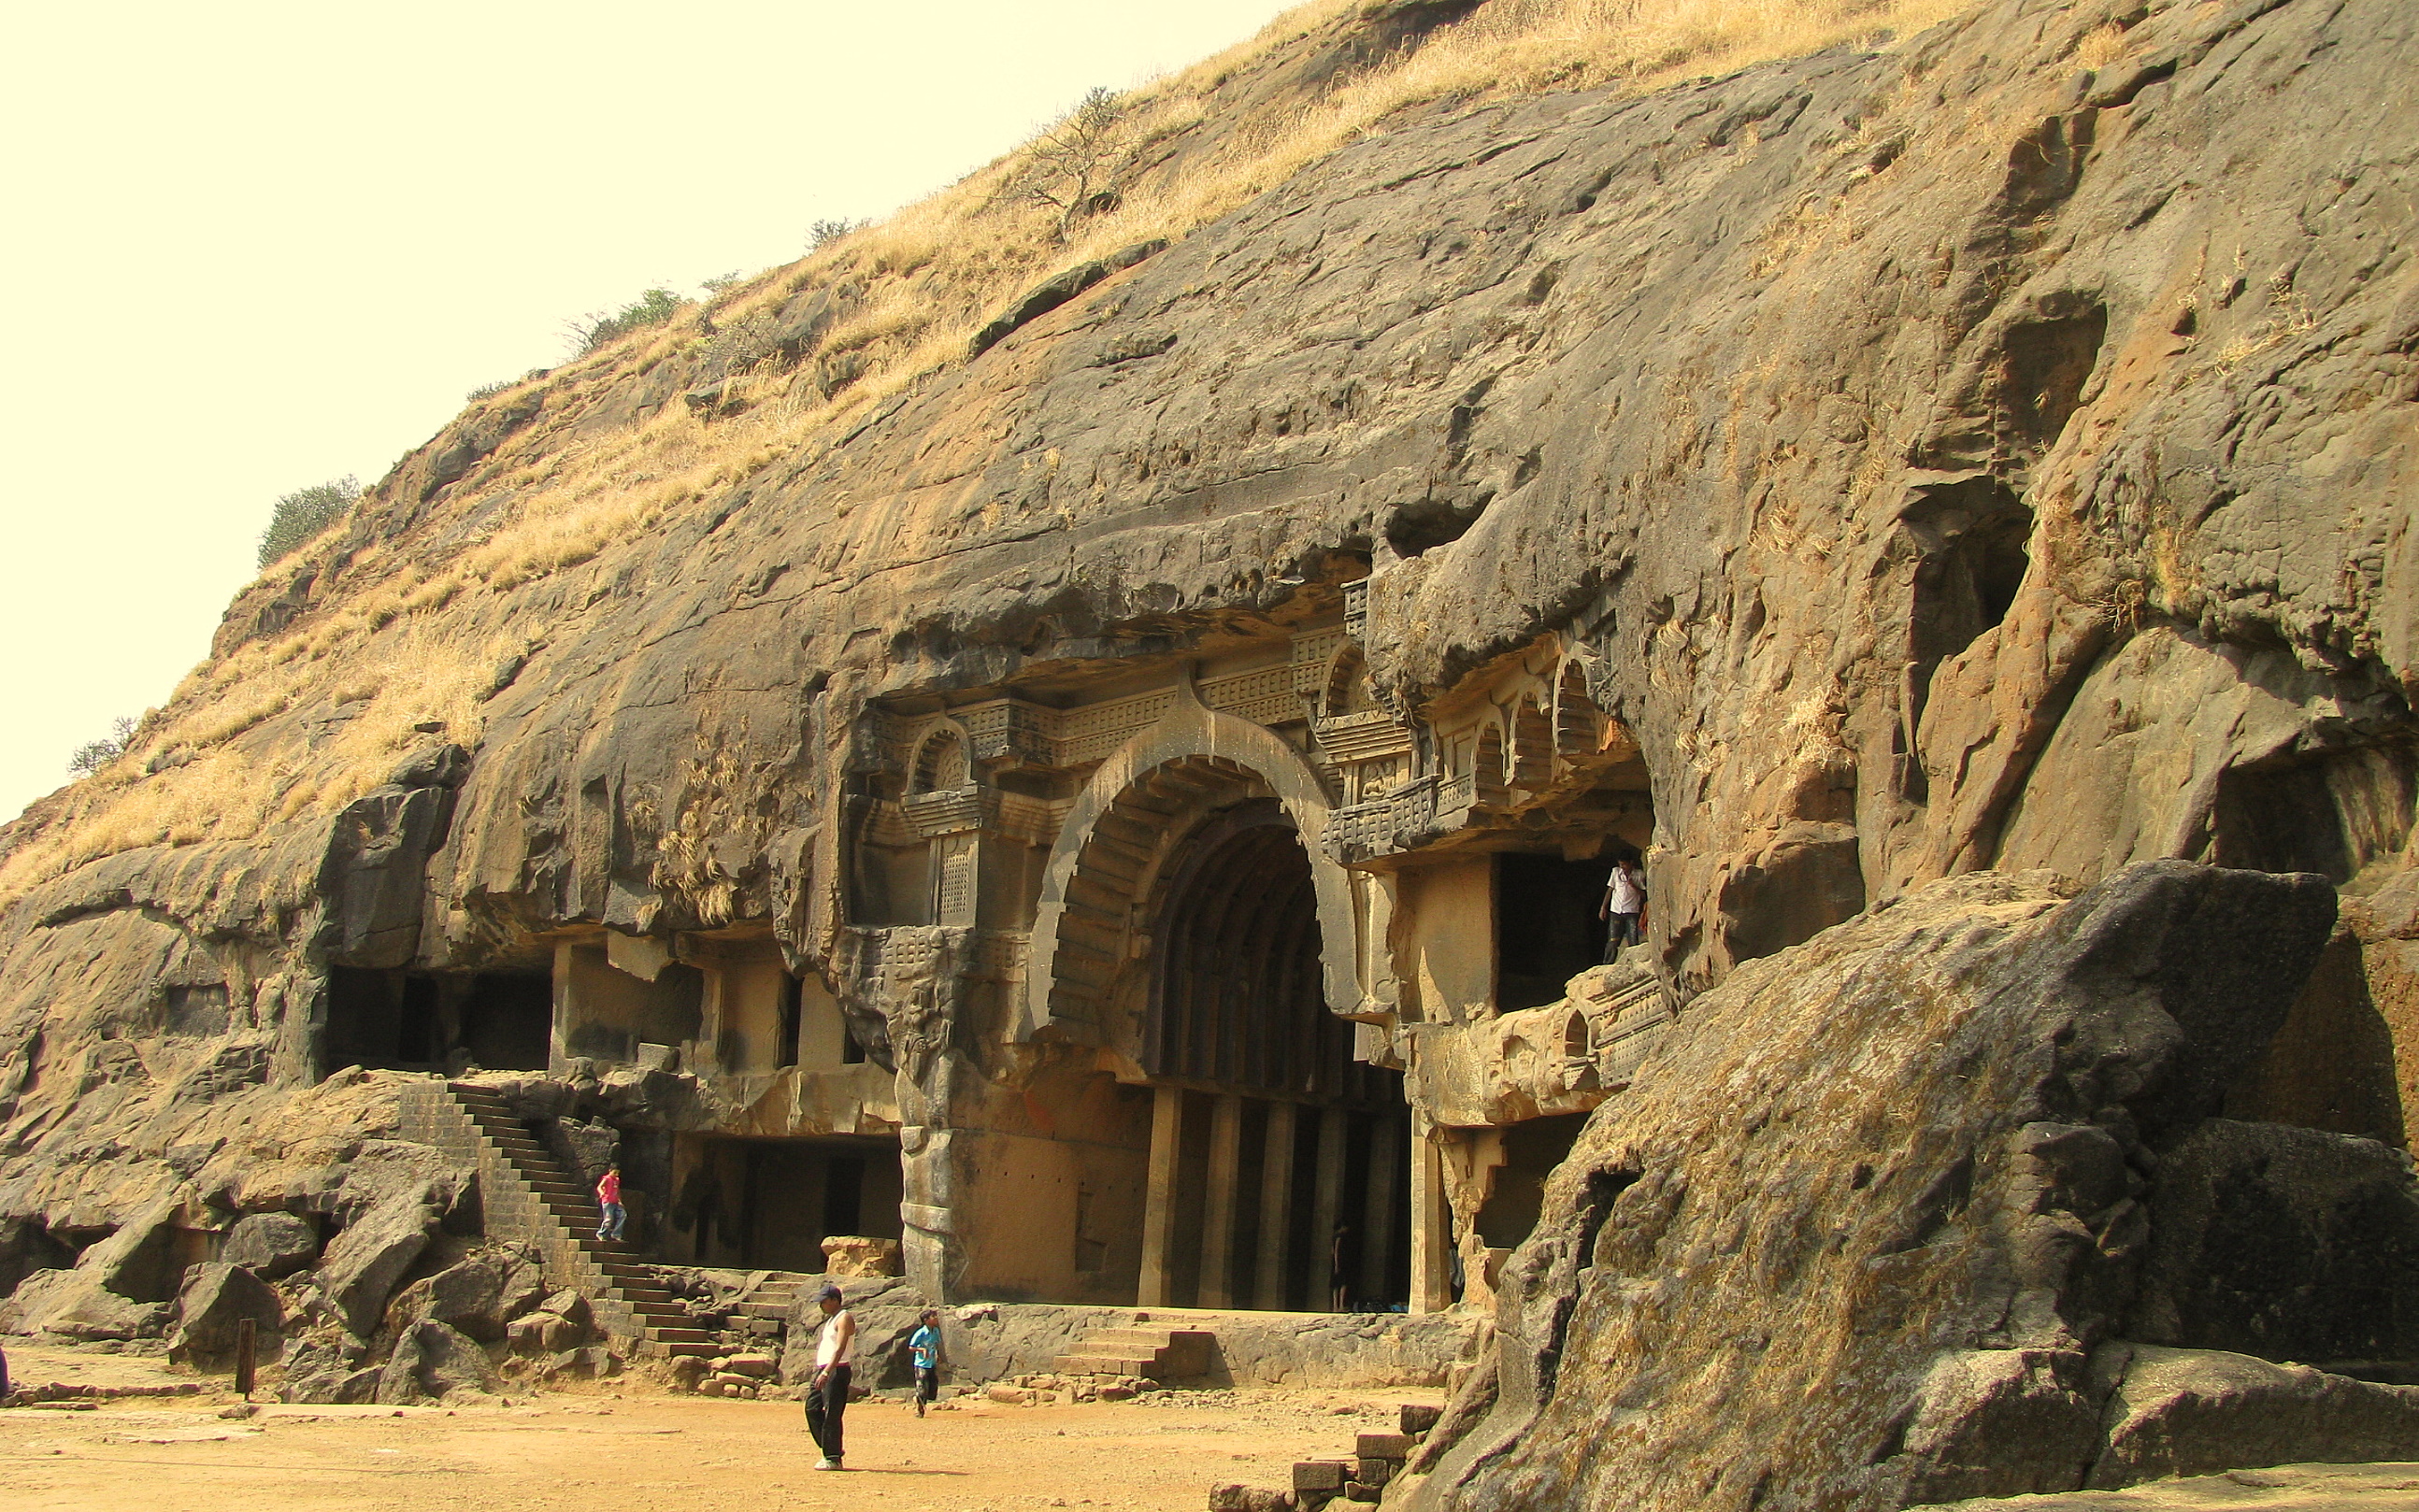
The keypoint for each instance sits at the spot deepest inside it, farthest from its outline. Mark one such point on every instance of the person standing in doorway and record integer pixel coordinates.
(1624, 907)
(924, 1352)
(608, 1201)
(834, 1363)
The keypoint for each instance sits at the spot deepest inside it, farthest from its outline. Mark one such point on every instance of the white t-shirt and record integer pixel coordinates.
(829, 1349)
(1622, 895)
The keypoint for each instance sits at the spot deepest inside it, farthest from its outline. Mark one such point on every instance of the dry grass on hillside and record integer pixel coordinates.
(1182, 152)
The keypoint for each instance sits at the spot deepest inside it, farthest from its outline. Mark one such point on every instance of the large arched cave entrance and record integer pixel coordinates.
(1278, 1174)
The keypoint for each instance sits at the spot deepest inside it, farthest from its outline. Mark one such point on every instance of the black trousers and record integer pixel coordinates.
(927, 1381)
(824, 1405)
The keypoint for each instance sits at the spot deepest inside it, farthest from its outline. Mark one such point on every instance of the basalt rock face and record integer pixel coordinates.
(1993, 451)
(1879, 1223)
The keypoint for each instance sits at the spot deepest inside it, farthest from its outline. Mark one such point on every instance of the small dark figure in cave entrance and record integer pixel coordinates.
(1624, 908)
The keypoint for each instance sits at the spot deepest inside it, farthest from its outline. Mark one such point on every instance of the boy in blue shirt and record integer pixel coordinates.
(924, 1352)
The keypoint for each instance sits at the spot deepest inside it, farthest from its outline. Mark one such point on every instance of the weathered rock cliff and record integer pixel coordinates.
(1990, 452)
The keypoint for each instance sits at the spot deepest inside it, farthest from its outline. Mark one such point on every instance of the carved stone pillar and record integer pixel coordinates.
(1276, 1208)
(1159, 1203)
(1327, 1203)
(1431, 1226)
(1221, 1203)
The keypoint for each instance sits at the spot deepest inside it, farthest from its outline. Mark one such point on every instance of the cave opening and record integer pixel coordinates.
(1973, 547)
(769, 1203)
(443, 1021)
(1279, 1159)
(2332, 813)
(1547, 928)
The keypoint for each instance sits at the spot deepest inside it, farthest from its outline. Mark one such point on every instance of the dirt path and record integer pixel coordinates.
(641, 1452)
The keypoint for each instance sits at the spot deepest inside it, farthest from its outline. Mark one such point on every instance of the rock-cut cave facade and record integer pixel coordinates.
(1217, 983)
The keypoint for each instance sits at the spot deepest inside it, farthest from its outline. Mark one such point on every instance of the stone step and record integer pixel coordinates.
(1093, 1365)
(1149, 1338)
(659, 1349)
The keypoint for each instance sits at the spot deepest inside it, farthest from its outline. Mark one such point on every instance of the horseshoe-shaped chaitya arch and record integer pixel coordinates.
(1116, 839)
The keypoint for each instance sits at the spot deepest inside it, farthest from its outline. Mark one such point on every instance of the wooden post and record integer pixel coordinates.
(1221, 1200)
(1431, 1226)
(1276, 1208)
(1159, 1203)
(1387, 1156)
(1327, 1202)
(246, 1355)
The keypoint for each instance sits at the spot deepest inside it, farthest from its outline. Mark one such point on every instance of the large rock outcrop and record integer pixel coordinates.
(1879, 1223)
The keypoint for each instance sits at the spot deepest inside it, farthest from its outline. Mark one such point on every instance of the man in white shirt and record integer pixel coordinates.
(835, 1362)
(1624, 907)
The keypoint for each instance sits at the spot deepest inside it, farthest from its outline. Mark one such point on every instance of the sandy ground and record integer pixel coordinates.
(639, 1452)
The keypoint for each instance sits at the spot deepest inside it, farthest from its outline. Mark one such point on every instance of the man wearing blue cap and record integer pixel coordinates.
(835, 1360)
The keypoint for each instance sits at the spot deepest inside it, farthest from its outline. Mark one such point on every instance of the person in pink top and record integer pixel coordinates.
(609, 1197)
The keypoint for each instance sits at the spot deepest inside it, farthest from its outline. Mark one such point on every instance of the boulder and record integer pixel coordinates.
(525, 1289)
(544, 1333)
(469, 1297)
(272, 1245)
(2193, 1412)
(385, 1171)
(1850, 1238)
(211, 1310)
(855, 1254)
(432, 1363)
(365, 1262)
(2283, 1242)
(140, 1260)
(75, 1304)
(332, 1387)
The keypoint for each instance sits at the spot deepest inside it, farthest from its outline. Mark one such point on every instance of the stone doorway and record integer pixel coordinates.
(1279, 1162)
(769, 1204)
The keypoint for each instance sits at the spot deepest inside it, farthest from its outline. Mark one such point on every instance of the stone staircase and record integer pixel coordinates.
(1142, 1351)
(760, 1320)
(526, 1195)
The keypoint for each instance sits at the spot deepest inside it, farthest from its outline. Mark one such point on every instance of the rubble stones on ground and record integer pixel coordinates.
(272, 1245)
(211, 1311)
(1236, 1498)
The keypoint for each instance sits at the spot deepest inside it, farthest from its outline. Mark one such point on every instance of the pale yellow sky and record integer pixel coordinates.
(259, 245)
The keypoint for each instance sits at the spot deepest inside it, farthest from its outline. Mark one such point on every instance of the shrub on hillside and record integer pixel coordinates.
(653, 308)
(303, 514)
(823, 233)
(93, 755)
(1069, 167)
